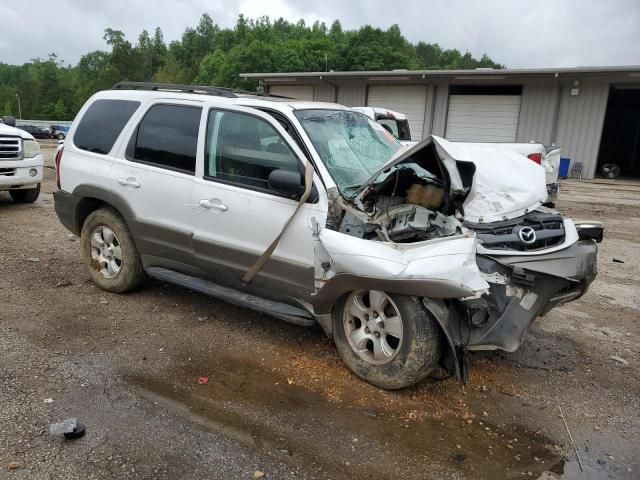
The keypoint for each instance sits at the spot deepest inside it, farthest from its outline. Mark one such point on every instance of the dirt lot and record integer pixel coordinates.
(279, 400)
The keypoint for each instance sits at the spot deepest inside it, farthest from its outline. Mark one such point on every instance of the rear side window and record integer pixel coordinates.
(167, 137)
(102, 123)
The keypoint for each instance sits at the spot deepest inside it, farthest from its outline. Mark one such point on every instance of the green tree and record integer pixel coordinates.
(208, 54)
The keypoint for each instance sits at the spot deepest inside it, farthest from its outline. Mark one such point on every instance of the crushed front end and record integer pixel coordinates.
(464, 229)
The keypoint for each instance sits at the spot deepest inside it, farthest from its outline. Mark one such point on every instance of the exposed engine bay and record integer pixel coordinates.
(409, 204)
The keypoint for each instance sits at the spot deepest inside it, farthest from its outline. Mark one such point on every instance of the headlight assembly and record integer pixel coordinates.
(31, 148)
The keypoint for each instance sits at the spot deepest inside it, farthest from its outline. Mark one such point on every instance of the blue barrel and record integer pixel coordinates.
(563, 170)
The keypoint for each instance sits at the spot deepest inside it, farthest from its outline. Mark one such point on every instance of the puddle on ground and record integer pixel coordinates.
(347, 439)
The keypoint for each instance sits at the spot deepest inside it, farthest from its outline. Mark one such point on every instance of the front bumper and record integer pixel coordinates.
(17, 174)
(523, 288)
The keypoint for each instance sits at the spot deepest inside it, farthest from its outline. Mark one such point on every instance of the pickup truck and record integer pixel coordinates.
(546, 156)
(21, 163)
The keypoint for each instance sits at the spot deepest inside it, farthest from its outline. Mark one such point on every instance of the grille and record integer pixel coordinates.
(10, 148)
(7, 172)
(534, 231)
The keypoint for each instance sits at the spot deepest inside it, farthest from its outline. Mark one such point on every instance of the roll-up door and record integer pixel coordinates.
(483, 118)
(408, 99)
(299, 92)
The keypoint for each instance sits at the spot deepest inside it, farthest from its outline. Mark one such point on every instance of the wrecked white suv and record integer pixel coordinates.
(313, 213)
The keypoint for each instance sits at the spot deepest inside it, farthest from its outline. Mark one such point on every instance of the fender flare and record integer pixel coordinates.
(446, 319)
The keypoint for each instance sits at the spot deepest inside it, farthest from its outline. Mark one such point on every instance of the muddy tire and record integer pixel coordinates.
(25, 195)
(391, 341)
(109, 253)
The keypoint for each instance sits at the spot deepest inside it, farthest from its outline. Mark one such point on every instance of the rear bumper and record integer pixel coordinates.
(18, 174)
(66, 206)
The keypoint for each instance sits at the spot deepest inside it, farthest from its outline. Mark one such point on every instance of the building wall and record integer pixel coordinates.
(537, 110)
(352, 93)
(580, 122)
(549, 113)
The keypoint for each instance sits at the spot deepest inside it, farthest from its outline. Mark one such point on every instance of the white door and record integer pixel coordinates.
(239, 215)
(153, 175)
(299, 92)
(483, 118)
(408, 99)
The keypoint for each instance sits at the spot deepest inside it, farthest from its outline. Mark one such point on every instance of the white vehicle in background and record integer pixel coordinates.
(548, 157)
(21, 163)
(395, 123)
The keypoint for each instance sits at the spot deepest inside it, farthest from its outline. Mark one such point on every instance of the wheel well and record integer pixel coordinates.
(85, 207)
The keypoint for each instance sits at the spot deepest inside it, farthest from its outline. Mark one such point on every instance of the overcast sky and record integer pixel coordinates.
(541, 33)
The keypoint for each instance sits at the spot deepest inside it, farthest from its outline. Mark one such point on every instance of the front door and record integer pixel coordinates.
(240, 215)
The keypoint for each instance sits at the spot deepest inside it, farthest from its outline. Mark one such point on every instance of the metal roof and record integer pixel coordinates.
(623, 69)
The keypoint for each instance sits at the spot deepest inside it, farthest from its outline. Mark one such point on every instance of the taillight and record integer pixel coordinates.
(536, 157)
(57, 161)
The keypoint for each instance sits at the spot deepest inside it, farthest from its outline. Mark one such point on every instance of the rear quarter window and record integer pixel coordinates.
(102, 123)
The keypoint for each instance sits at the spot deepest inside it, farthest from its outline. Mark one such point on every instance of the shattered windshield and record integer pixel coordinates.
(352, 146)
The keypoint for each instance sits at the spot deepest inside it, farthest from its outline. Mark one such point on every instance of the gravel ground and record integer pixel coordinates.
(278, 400)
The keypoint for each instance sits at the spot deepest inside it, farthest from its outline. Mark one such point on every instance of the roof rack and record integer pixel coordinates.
(170, 87)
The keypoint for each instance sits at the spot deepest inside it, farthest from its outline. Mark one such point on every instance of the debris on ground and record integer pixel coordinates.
(259, 474)
(203, 380)
(14, 465)
(617, 260)
(70, 428)
(619, 359)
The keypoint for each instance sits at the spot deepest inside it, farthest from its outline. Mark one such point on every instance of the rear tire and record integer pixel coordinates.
(109, 253)
(60, 136)
(412, 351)
(25, 195)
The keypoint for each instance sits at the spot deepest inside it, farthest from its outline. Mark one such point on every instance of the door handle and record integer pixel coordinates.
(216, 206)
(128, 182)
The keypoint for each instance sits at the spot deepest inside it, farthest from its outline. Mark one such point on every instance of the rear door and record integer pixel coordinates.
(154, 175)
(238, 215)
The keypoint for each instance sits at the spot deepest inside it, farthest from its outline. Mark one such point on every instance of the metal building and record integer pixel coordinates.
(593, 113)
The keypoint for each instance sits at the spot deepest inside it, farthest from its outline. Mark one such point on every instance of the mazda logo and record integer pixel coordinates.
(527, 235)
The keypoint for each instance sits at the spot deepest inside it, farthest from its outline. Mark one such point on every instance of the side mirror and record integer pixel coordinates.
(287, 182)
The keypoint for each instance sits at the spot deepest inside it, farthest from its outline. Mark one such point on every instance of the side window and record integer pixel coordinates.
(167, 137)
(244, 149)
(102, 123)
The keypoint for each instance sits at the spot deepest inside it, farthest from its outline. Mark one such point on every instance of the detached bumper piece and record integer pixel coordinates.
(521, 289)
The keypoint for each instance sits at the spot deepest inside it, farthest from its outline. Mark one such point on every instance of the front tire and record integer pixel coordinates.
(391, 341)
(25, 195)
(109, 253)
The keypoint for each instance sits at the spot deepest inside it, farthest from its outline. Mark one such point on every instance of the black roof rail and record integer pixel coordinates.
(170, 87)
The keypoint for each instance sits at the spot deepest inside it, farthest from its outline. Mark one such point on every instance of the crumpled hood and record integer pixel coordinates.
(505, 185)
(14, 132)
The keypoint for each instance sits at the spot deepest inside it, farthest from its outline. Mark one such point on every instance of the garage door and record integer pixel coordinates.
(408, 99)
(483, 118)
(299, 92)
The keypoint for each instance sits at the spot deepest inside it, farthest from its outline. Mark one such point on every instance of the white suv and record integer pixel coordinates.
(313, 213)
(20, 164)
